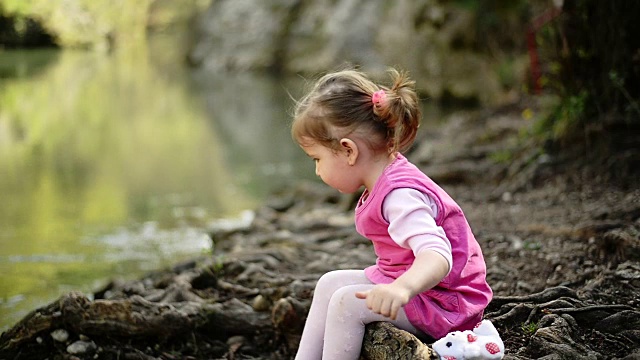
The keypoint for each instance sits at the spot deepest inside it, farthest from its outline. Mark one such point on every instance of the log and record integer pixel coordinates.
(136, 318)
(39, 320)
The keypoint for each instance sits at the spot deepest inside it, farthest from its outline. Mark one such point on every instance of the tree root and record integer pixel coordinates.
(383, 341)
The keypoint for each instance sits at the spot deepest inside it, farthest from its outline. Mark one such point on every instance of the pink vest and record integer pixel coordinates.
(458, 301)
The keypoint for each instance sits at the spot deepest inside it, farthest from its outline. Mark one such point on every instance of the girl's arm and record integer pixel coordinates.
(411, 215)
(428, 269)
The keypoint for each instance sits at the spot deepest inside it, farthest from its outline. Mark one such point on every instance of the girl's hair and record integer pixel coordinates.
(340, 104)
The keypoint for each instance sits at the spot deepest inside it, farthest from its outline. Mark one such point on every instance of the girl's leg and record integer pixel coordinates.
(337, 318)
(312, 340)
(346, 320)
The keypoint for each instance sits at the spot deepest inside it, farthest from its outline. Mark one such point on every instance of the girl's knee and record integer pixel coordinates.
(327, 281)
(335, 280)
(345, 298)
(338, 278)
(330, 276)
(327, 285)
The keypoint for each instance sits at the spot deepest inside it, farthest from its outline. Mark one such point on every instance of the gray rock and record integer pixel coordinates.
(310, 37)
(81, 347)
(60, 335)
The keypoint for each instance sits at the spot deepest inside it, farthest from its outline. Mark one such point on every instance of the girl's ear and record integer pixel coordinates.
(350, 149)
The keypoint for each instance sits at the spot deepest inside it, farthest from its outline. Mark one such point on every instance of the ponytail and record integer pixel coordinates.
(399, 110)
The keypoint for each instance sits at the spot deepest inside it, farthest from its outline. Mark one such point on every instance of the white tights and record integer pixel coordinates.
(337, 318)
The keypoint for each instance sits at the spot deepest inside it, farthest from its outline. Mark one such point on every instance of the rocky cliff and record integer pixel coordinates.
(435, 40)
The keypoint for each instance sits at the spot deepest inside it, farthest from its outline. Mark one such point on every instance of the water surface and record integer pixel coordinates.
(112, 165)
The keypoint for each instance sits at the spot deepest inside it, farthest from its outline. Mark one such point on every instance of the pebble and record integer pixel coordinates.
(60, 335)
(81, 347)
(260, 303)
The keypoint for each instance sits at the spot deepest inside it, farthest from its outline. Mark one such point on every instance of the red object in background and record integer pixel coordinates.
(536, 24)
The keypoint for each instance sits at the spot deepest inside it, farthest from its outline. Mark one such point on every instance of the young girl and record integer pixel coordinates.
(429, 275)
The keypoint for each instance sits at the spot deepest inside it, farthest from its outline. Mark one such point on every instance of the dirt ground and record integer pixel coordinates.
(547, 221)
(560, 238)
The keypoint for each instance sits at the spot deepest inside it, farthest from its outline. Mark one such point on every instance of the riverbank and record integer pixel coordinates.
(561, 246)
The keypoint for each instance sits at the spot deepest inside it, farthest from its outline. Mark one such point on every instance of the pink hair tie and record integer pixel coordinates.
(378, 97)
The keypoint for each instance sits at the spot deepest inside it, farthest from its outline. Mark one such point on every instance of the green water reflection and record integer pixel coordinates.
(112, 164)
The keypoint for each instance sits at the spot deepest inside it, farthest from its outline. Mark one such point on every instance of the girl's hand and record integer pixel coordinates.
(386, 299)
(427, 270)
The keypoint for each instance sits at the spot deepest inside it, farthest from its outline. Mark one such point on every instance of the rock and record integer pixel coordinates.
(60, 335)
(82, 347)
(241, 34)
(310, 37)
(260, 303)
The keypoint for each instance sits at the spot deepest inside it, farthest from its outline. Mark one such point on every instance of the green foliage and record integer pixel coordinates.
(529, 328)
(507, 73)
(588, 60)
(21, 7)
(532, 245)
(502, 156)
(95, 23)
(495, 27)
(469, 4)
(218, 264)
(596, 47)
(618, 83)
(569, 115)
(495, 6)
(564, 120)
(84, 23)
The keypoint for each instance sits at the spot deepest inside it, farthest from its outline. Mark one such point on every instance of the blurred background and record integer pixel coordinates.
(115, 156)
(129, 128)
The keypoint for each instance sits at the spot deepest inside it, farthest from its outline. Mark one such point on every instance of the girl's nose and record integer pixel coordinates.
(317, 171)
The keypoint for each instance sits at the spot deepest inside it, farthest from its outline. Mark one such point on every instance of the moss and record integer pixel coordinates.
(97, 24)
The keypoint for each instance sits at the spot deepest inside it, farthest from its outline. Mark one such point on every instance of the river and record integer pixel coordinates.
(113, 165)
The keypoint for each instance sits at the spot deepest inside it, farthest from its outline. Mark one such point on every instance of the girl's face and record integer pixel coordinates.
(333, 167)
